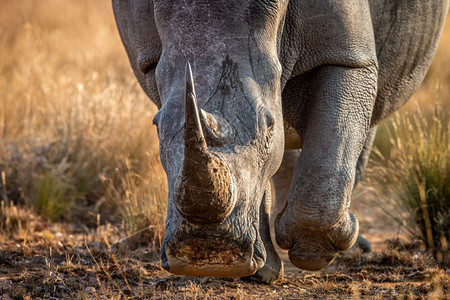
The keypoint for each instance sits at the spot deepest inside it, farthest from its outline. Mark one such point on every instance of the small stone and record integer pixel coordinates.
(89, 289)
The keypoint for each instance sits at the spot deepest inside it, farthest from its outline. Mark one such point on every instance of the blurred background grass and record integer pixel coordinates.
(76, 134)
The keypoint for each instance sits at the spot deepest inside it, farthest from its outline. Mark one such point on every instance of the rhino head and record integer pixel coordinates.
(215, 76)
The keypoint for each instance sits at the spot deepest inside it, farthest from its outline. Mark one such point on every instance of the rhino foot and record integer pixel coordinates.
(311, 248)
(268, 274)
(363, 244)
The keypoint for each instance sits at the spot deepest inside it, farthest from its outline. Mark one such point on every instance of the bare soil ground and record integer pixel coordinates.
(48, 260)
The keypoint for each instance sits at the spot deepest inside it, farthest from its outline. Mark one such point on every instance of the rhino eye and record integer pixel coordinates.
(267, 140)
(269, 121)
(265, 120)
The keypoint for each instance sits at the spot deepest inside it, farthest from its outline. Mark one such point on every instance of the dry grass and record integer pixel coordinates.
(411, 161)
(415, 179)
(73, 121)
(80, 171)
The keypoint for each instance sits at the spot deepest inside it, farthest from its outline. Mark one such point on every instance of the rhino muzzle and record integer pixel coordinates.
(204, 188)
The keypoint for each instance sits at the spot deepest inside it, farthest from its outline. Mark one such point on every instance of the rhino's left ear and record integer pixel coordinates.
(121, 14)
(136, 25)
(121, 8)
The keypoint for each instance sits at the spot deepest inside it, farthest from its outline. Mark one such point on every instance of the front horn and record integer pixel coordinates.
(204, 187)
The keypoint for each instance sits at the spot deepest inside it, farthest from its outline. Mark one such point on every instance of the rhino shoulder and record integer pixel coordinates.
(329, 32)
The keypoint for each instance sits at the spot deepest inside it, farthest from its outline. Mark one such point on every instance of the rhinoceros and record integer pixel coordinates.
(241, 84)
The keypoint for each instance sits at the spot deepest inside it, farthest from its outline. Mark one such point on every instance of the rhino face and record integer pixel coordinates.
(219, 124)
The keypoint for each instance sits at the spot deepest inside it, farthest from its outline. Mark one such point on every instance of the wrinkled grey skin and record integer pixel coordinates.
(317, 75)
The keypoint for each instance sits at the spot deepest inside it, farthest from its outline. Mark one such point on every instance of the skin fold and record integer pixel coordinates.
(265, 76)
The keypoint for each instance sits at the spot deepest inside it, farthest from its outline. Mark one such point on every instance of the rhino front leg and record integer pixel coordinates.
(361, 242)
(316, 223)
(282, 181)
(273, 268)
(364, 156)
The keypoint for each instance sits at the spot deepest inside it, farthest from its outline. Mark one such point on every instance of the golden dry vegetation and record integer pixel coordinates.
(80, 171)
(76, 129)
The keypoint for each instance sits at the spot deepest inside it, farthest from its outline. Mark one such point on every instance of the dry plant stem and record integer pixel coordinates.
(426, 215)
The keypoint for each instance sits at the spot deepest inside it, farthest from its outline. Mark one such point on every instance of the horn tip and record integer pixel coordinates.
(189, 80)
(188, 67)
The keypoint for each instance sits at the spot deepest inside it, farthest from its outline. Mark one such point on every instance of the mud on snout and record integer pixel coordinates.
(230, 249)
